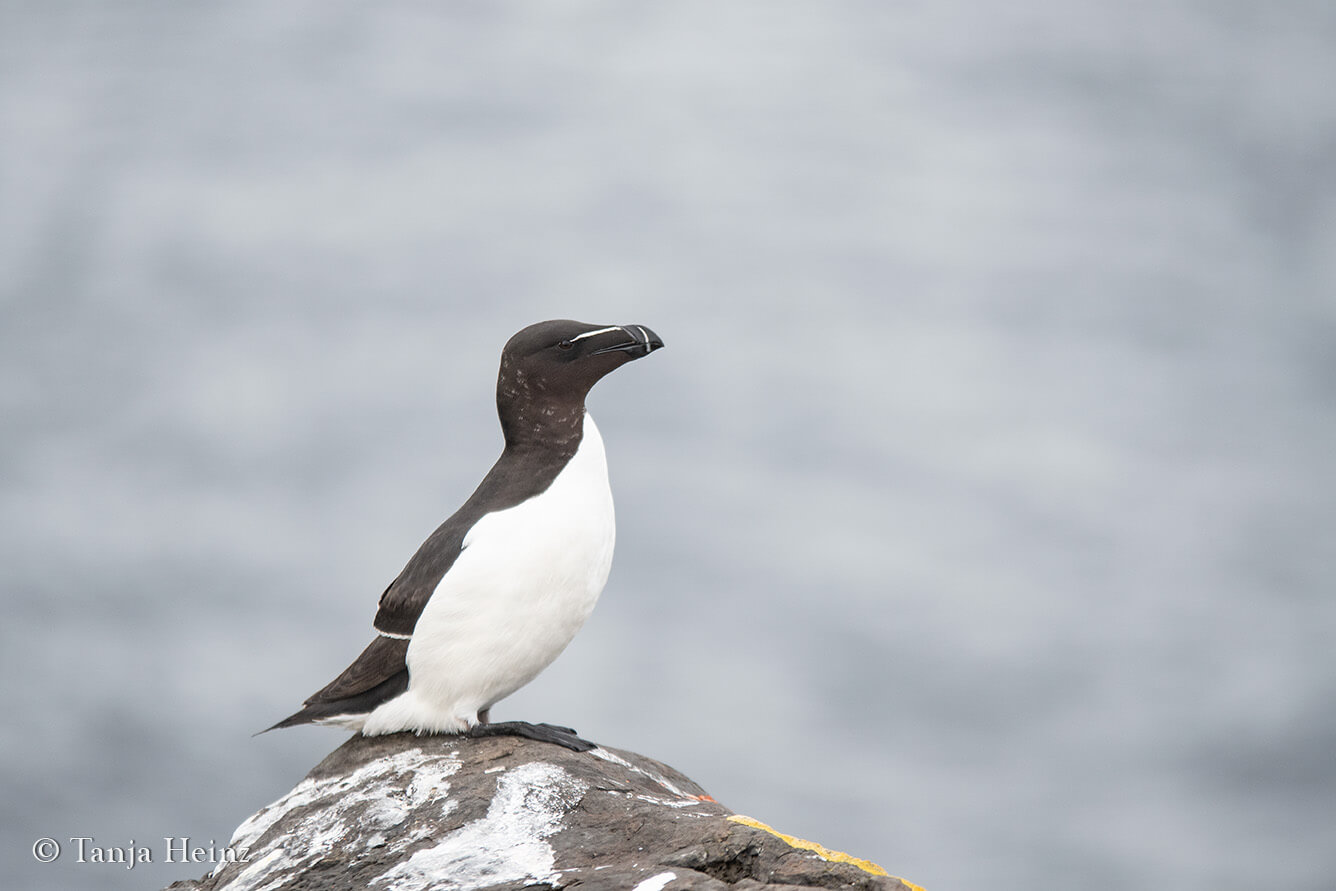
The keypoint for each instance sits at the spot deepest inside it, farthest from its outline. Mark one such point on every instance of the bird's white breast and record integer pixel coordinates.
(523, 585)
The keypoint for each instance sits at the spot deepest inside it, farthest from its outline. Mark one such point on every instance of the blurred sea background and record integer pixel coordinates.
(979, 518)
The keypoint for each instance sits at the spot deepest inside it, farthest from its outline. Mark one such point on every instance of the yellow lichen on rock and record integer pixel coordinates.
(821, 850)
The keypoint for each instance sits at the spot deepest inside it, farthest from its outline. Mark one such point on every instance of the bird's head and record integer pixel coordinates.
(548, 369)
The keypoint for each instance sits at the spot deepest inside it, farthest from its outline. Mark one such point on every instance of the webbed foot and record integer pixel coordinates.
(548, 733)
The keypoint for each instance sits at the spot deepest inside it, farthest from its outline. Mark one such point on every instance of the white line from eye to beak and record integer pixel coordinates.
(599, 331)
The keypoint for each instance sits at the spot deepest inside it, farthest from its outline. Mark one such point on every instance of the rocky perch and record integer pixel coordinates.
(407, 813)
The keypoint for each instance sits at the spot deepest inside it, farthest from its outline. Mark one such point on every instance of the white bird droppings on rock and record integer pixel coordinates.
(509, 844)
(656, 883)
(374, 790)
(663, 781)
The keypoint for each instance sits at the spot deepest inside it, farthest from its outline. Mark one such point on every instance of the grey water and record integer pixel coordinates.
(977, 520)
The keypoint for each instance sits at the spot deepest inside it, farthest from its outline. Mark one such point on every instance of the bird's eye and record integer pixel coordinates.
(565, 344)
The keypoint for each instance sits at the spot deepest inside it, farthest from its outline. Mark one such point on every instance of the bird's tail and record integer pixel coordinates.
(348, 711)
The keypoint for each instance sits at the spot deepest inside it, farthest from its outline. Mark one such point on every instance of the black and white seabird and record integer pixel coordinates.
(498, 591)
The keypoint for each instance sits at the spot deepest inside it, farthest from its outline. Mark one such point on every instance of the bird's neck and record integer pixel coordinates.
(535, 424)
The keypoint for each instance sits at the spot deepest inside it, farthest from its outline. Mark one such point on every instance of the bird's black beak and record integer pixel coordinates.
(641, 342)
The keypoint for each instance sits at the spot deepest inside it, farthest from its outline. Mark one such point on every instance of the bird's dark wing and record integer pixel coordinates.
(404, 599)
(381, 672)
(519, 474)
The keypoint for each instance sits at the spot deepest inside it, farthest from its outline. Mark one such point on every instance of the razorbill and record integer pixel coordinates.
(498, 591)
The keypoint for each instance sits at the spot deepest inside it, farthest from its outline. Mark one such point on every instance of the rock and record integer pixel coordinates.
(407, 813)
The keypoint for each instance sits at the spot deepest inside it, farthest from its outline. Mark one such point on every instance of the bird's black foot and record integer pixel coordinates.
(548, 733)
